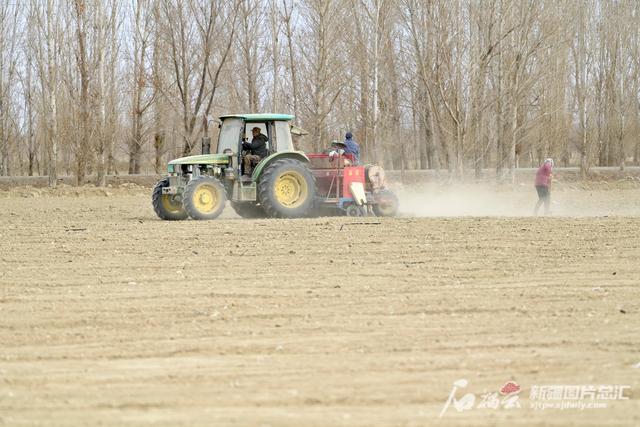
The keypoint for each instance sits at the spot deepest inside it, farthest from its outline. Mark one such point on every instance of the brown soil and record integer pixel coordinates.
(111, 316)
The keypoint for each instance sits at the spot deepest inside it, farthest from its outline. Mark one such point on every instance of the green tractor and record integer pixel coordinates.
(281, 185)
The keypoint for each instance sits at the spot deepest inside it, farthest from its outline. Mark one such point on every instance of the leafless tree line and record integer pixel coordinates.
(97, 87)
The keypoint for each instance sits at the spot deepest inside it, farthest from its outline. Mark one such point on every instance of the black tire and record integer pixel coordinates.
(204, 198)
(355, 210)
(287, 189)
(164, 205)
(248, 210)
(386, 203)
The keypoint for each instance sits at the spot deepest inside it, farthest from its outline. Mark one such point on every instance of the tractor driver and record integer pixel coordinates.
(256, 151)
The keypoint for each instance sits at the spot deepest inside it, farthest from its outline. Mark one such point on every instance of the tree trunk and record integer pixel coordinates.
(82, 155)
(101, 179)
(158, 145)
(52, 83)
(292, 61)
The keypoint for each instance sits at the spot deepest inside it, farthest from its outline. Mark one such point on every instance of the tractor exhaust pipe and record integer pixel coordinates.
(206, 145)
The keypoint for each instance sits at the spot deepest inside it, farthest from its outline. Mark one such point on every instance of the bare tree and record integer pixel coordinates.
(160, 108)
(582, 72)
(29, 110)
(251, 54)
(275, 25)
(199, 35)
(9, 20)
(105, 25)
(287, 17)
(321, 62)
(85, 68)
(431, 146)
(46, 46)
(141, 94)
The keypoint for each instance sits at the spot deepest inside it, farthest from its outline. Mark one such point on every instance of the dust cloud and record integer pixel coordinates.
(518, 200)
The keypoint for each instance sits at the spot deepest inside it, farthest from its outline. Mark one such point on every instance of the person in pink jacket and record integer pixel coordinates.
(543, 186)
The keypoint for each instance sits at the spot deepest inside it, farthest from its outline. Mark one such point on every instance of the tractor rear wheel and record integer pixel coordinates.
(287, 189)
(165, 205)
(386, 203)
(248, 210)
(204, 198)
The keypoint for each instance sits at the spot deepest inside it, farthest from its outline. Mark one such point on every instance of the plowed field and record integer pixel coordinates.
(111, 316)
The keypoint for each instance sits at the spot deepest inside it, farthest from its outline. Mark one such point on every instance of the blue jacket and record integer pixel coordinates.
(352, 148)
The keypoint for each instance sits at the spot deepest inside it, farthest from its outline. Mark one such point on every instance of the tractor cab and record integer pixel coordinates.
(236, 128)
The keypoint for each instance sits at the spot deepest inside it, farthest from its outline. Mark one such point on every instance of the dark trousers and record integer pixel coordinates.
(250, 160)
(544, 196)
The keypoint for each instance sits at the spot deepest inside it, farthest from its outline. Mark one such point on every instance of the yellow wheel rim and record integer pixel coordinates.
(291, 189)
(169, 205)
(205, 198)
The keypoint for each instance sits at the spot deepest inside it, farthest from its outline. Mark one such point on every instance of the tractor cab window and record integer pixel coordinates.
(267, 129)
(229, 138)
(283, 136)
(263, 130)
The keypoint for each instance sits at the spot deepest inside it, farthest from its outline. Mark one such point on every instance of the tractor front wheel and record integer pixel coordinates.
(287, 189)
(165, 205)
(204, 198)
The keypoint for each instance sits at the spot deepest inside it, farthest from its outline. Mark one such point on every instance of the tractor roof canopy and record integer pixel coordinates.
(266, 117)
